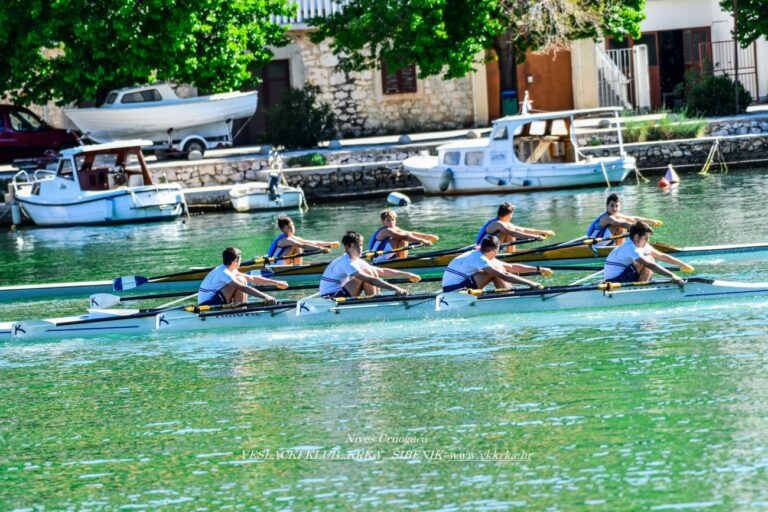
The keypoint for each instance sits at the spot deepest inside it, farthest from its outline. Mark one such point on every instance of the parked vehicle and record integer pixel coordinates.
(24, 135)
(97, 184)
(525, 152)
(156, 113)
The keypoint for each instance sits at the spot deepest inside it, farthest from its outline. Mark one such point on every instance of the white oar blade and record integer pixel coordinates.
(30, 328)
(313, 306)
(104, 300)
(453, 300)
(128, 282)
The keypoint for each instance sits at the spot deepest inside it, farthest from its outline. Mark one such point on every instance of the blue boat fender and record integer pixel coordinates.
(446, 178)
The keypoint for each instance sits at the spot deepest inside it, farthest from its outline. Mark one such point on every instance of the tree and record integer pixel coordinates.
(444, 37)
(78, 50)
(752, 21)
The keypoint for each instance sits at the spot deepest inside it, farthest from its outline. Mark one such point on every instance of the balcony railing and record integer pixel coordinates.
(308, 9)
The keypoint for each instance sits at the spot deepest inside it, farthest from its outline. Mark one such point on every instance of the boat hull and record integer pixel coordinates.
(137, 204)
(516, 178)
(255, 196)
(525, 302)
(424, 267)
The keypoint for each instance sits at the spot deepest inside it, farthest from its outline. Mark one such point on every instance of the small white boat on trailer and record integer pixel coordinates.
(525, 152)
(157, 113)
(97, 184)
(317, 311)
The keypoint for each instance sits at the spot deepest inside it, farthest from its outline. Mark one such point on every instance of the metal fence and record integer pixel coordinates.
(623, 77)
(721, 55)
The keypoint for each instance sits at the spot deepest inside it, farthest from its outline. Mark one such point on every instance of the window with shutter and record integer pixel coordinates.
(400, 81)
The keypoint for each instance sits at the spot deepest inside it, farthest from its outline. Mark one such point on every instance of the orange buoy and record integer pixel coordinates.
(664, 183)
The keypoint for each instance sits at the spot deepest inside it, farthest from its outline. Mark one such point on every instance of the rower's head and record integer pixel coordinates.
(231, 256)
(640, 233)
(505, 210)
(613, 203)
(489, 246)
(353, 243)
(285, 224)
(388, 218)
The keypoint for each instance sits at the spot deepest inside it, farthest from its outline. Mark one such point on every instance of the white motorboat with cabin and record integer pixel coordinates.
(157, 113)
(97, 184)
(523, 152)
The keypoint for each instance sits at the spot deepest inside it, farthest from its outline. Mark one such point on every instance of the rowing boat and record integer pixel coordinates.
(429, 266)
(318, 312)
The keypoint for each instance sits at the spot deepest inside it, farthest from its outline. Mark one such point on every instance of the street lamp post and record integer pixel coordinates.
(736, 52)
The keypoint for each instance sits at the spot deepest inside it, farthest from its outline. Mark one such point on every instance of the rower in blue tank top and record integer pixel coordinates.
(288, 247)
(613, 223)
(391, 238)
(502, 228)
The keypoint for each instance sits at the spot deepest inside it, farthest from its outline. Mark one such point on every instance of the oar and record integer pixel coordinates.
(267, 272)
(544, 248)
(459, 299)
(458, 250)
(130, 282)
(314, 305)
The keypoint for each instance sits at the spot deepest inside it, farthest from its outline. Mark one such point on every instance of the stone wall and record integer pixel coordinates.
(691, 154)
(362, 108)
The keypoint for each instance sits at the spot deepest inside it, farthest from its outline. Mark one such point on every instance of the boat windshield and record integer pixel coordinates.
(142, 96)
(65, 169)
(111, 98)
(500, 133)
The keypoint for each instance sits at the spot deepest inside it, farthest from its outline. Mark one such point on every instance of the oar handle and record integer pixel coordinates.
(374, 254)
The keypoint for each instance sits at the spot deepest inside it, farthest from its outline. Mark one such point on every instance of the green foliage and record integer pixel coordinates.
(92, 47)
(308, 160)
(670, 127)
(752, 21)
(444, 37)
(710, 95)
(301, 120)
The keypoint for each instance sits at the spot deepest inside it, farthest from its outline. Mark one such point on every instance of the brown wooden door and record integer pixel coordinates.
(548, 80)
(275, 81)
(493, 88)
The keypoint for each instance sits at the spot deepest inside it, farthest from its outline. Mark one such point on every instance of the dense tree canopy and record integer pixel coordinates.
(444, 37)
(74, 50)
(752, 20)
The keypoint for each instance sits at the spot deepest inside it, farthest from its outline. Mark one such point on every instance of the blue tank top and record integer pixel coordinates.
(379, 245)
(597, 231)
(274, 250)
(483, 233)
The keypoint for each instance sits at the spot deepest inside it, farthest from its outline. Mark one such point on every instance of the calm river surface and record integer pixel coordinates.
(657, 408)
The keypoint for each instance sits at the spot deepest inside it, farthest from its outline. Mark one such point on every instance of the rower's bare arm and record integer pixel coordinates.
(511, 278)
(658, 269)
(411, 236)
(622, 221)
(307, 245)
(427, 236)
(516, 231)
(265, 281)
(391, 272)
(253, 292)
(319, 243)
(535, 232)
(380, 283)
(519, 268)
(668, 258)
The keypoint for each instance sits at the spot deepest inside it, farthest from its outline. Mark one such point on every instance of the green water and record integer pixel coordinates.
(658, 408)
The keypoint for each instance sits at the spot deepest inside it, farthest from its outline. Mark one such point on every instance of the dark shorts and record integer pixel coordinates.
(217, 300)
(630, 275)
(468, 283)
(343, 293)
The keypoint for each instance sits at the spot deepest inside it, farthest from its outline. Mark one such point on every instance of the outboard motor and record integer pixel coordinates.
(273, 186)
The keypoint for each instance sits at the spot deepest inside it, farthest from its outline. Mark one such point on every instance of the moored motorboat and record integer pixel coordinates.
(422, 265)
(271, 195)
(525, 152)
(97, 184)
(315, 312)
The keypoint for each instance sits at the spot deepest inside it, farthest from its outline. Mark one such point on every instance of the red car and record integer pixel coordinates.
(24, 135)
